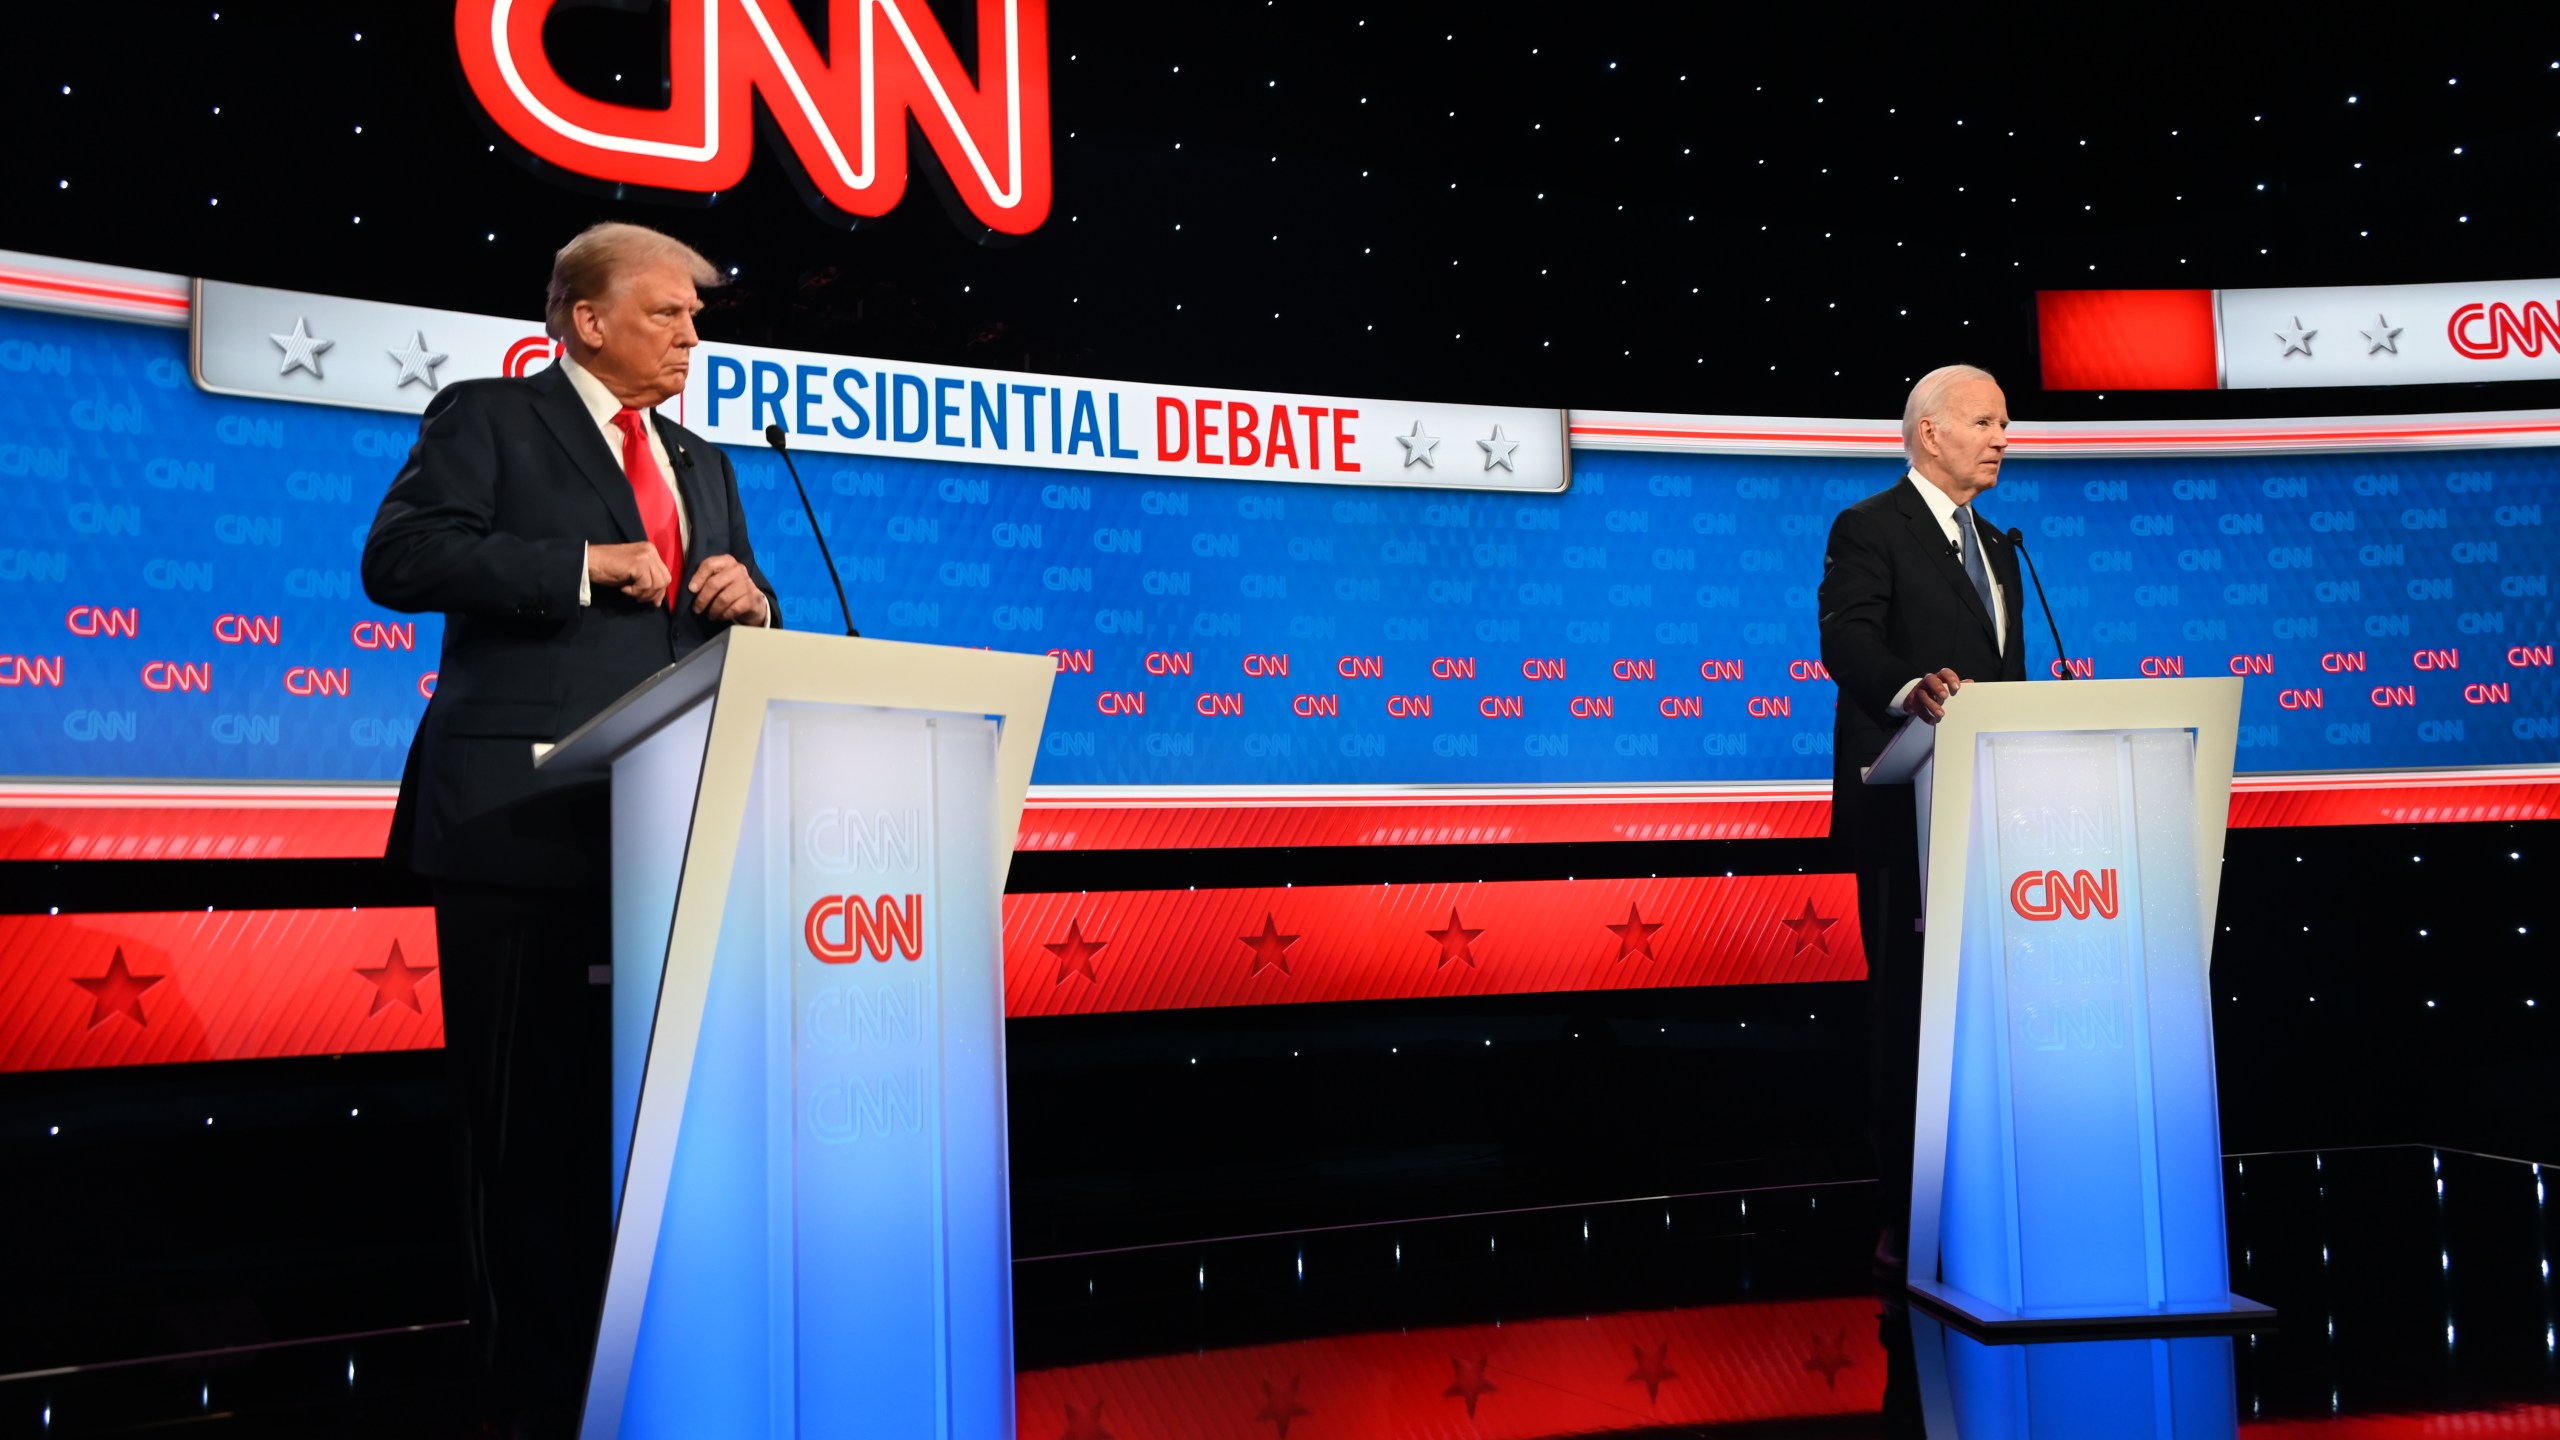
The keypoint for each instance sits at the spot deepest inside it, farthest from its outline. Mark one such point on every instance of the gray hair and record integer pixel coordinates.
(1929, 401)
(587, 267)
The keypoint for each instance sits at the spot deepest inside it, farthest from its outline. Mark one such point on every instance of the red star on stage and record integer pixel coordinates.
(1471, 1383)
(1830, 1357)
(1811, 929)
(1270, 948)
(1653, 1370)
(1075, 954)
(118, 992)
(395, 981)
(1635, 937)
(1085, 1424)
(1453, 946)
(1280, 1409)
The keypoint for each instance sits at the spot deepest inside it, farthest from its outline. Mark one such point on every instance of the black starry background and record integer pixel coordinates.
(1651, 207)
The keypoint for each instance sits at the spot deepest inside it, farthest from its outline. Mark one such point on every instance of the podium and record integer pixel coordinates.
(810, 836)
(2067, 1155)
(2159, 1387)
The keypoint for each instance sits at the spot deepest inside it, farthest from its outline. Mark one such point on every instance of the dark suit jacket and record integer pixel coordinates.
(1896, 605)
(486, 523)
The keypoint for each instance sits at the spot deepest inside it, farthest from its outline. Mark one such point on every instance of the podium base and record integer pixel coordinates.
(1983, 1320)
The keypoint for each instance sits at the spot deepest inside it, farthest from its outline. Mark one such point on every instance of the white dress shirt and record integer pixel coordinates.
(1944, 507)
(602, 404)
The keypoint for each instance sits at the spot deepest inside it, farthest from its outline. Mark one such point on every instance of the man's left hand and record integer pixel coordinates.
(724, 591)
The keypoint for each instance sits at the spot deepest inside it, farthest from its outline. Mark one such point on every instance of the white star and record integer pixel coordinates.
(417, 362)
(2383, 337)
(1497, 451)
(301, 349)
(1418, 446)
(2296, 338)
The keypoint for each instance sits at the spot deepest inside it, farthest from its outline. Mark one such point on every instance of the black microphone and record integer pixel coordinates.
(773, 437)
(2062, 658)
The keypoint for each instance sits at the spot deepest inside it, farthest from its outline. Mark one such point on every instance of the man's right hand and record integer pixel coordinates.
(1928, 698)
(634, 569)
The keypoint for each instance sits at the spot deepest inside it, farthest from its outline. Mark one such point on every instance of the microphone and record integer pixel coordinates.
(2018, 541)
(773, 437)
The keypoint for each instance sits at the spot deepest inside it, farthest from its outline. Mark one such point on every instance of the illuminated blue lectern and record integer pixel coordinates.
(2067, 1155)
(2160, 1387)
(810, 841)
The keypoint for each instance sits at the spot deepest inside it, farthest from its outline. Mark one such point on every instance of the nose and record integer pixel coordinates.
(686, 337)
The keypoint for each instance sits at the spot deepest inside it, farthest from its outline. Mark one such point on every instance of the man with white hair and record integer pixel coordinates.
(577, 542)
(1919, 596)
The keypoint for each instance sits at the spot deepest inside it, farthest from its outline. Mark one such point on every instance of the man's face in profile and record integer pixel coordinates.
(1969, 438)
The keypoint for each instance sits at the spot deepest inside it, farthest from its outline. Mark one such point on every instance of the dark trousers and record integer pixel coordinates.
(1887, 858)
(528, 1040)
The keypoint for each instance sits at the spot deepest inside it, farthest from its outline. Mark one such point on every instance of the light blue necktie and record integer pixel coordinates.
(1974, 569)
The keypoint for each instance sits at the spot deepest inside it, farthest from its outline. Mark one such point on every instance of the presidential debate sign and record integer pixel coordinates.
(843, 116)
(1396, 609)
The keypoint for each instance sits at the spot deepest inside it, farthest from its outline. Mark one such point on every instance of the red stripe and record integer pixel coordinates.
(1493, 820)
(1528, 1379)
(95, 290)
(2127, 339)
(215, 985)
(145, 825)
(1109, 951)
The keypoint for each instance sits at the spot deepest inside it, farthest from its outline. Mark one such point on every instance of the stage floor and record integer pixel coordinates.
(2412, 1286)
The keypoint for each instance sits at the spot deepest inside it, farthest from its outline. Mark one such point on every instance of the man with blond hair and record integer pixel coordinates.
(1919, 597)
(576, 543)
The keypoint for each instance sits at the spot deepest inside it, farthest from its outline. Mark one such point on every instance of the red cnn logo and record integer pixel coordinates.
(2486, 332)
(861, 931)
(2079, 892)
(843, 116)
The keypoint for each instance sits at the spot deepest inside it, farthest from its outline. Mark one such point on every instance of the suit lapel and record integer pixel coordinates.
(2004, 568)
(692, 482)
(1933, 542)
(576, 431)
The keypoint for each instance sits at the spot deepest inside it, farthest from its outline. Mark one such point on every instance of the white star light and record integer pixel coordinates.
(2383, 338)
(1418, 446)
(417, 362)
(301, 349)
(2296, 339)
(1498, 451)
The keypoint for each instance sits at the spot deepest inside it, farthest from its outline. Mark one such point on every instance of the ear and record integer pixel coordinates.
(586, 326)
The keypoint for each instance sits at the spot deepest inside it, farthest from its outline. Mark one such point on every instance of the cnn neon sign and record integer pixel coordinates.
(841, 116)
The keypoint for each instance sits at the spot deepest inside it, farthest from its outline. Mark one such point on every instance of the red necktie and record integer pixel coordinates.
(657, 502)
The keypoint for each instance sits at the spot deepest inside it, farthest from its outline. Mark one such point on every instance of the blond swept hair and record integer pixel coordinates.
(587, 267)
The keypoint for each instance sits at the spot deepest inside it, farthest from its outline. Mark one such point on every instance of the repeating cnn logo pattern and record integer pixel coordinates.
(888, 923)
(2046, 894)
(842, 115)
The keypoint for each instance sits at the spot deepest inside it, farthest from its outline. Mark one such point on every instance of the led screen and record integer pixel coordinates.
(179, 597)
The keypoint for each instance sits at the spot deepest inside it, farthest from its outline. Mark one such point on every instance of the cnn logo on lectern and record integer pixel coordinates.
(887, 923)
(2046, 894)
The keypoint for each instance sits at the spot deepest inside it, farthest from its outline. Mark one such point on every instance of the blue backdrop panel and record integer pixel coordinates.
(1654, 623)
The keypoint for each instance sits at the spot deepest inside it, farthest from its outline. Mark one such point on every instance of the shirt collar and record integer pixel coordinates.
(599, 401)
(1939, 503)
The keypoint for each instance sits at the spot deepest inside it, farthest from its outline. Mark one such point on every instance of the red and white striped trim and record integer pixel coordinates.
(74, 287)
(1746, 435)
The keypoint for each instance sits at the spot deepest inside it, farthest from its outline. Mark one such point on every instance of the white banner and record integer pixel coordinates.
(2450, 334)
(332, 350)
